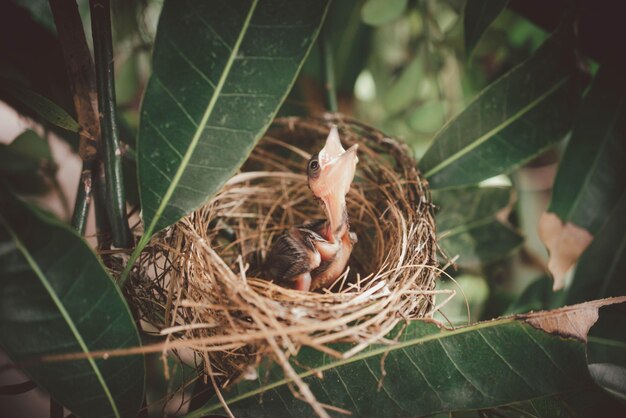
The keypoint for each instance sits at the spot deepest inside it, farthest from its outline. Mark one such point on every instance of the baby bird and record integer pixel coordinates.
(313, 255)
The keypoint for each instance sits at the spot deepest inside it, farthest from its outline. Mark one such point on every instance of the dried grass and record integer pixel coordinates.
(193, 283)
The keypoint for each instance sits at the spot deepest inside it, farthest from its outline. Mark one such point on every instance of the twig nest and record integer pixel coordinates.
(196, 281)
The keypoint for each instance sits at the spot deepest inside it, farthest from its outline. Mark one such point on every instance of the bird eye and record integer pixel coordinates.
(314, 165)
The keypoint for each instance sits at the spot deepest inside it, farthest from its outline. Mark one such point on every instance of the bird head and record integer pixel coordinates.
(330, 173)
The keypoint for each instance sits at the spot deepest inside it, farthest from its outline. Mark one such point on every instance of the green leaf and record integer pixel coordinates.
(27, 165)
(467, 227)
(611, 377)
(221, 69)
(56, 298)
(606, 351)
(480, 242)
(379, 12)
(477, 17)
(471, 292)
(433, 370)
(44, 107)
(27, 153)
(600, 272)
(607, 339)
(521, 114)
(34, 54)
(592, 173)
(30, 144)
(591, 402)
(459, 207)
(40, 11)
(350, 42)
(428, 117)
(128, 80)
(404, 90)
(537, 296)
(602, 267)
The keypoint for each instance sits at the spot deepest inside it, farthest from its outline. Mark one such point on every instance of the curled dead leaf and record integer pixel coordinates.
(570, 321)
(565, 243)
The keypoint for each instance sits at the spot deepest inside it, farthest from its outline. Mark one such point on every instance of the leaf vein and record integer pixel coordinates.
(191, 64)
(504, 360)
(403, 351)
(175, 100)
(456, 366)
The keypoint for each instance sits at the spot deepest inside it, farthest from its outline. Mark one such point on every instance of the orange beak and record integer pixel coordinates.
(337, 168)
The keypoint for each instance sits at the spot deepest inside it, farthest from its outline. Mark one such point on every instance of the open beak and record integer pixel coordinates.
(337, 165)
(337, 172)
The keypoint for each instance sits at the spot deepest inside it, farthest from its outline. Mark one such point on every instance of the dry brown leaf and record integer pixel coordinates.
(565, 243)
(571, 321)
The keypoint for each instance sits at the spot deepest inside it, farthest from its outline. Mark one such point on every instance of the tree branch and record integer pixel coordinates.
(83, 199)
(111, 156)
(80, 71)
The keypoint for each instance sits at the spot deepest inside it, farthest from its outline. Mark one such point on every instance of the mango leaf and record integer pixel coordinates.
(458, 207)
(379, 12)
(40, 11)
(600, 273)
(477, 17)
(536, 297)
(590, 402)
(480, 242)
(55, 298)
(606, 351)
(432, 370)
(611, 377)
(41, 105)
(607, 341)
(428, 117)
(27, 164)
(27, 152)
(591, 176)
(30, 144)
(602, 267)
(471, 292)
(467, 227)
(404, 89)
(220, 72)
(42, 68)
(518, 116)
(349, 40)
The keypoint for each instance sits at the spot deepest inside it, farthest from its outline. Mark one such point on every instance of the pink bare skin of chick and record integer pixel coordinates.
(312, 256)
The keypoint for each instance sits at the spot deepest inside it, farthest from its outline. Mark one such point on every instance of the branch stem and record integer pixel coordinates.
(111, 155)
(103, 226)
(83, 199)
(79, 66)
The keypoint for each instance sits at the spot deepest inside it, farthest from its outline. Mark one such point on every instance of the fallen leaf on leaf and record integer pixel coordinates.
(565, 243)
(570, 321)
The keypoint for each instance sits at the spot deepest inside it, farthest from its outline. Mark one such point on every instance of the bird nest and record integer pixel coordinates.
(194, 283)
